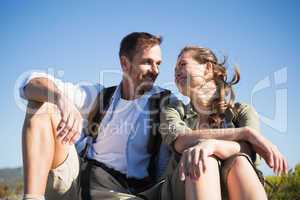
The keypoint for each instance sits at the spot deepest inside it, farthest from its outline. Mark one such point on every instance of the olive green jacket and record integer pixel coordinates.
(177, 118)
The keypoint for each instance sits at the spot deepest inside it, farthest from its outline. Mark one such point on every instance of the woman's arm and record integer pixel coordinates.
(193, 159)
(188, 138)
(179, 136)
(224, 149)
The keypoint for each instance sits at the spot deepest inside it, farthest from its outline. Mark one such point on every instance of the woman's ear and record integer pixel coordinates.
(209, 70)
(125, 63)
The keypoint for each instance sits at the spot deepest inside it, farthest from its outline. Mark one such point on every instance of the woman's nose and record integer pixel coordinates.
(178, 74)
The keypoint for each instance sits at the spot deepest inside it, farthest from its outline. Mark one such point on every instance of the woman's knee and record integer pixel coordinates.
(212, 162)
(239, 166)
(212, 167)
(243, 182)
(241, 162)
(209, 179)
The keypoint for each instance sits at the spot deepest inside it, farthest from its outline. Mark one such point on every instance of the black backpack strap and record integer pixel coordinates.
(100, 106)
(156, 103)
(98, 111)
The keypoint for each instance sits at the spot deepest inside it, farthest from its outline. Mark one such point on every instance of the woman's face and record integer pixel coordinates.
(193, 79)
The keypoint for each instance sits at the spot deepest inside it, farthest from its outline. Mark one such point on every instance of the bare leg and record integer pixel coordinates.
(41, 152)
(207, 186)
(243, 182)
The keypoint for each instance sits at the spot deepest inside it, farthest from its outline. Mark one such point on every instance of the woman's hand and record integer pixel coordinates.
(268, 151)
(193, 160)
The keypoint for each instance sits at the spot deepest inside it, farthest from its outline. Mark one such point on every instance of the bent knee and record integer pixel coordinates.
(212, 164)
(41, 115)
(240, 162)
(212, 161)
(211, 174)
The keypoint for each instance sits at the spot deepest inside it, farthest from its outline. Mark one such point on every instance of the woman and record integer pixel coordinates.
(213, 168)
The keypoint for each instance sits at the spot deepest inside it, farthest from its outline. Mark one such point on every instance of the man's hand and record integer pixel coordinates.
(268, 151)
(68, 129)
(193, 160)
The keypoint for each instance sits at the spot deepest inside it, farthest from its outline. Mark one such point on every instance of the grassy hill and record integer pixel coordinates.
(11, 183)
(11, 176)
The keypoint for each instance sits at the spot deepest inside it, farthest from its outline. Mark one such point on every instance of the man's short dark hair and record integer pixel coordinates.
(133, 42)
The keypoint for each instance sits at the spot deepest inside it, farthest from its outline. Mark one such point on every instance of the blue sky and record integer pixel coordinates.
(82, 38)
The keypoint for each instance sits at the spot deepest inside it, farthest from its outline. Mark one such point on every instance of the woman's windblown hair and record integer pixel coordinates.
(225, 95)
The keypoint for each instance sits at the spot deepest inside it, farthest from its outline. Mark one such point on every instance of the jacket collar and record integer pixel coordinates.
(190, 111)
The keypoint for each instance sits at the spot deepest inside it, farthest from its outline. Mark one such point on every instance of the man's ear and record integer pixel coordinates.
(125, 63)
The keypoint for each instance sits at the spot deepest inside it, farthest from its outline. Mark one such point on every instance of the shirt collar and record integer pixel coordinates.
(154, 90)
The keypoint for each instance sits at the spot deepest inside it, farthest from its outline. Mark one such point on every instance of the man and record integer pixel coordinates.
(119, 156)
(123, 154)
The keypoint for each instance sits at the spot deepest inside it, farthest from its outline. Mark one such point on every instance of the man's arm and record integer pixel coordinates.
(42, 89)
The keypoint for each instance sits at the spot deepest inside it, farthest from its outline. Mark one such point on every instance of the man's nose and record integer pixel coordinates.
(155, 69)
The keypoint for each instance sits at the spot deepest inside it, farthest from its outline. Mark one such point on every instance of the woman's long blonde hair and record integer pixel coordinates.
(225, 95)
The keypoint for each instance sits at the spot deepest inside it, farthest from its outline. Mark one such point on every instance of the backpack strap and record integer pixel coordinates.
(99, 108)
(98, 111)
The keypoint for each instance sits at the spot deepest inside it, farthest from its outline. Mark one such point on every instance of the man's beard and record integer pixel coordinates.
(146, 84)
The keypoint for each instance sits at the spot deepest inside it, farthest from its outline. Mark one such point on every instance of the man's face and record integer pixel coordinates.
(144, 68)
